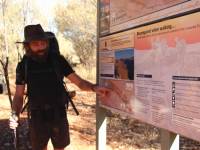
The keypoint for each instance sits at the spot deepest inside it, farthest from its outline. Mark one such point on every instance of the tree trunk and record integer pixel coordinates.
(5, 69)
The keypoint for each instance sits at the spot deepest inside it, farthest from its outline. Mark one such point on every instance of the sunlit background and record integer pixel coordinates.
(73, 22)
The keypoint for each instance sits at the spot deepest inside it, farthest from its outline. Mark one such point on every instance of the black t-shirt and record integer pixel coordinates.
(43, 84)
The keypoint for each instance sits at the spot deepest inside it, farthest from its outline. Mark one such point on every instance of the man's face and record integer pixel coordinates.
(38, 46)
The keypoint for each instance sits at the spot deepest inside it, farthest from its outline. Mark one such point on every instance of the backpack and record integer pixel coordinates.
(53, 43)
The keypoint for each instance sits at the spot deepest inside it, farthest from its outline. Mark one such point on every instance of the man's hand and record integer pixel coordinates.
(13, 121)
(101, 91)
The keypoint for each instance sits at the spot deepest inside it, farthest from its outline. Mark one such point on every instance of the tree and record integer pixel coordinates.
(77, 22)
(4, 57)
(67, 49)
(14, 15)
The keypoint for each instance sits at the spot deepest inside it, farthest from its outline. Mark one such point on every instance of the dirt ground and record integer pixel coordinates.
(122, 134)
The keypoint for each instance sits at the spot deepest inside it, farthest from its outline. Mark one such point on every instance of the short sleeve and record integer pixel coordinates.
(66, 67)
(20, 74)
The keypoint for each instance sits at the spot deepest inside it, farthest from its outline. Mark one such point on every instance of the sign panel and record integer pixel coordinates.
(125, 10)
(116, 70)
(167, 75)
(119, 15)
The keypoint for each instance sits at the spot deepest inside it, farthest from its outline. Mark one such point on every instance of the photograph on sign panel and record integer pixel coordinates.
(124, 64)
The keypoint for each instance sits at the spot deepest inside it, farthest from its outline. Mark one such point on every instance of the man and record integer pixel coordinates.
(45, 91)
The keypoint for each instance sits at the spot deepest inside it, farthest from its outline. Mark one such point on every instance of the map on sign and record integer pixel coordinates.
(124, 10)
(119, 15)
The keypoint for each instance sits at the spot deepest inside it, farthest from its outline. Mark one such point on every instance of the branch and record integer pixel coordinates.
(2, 64)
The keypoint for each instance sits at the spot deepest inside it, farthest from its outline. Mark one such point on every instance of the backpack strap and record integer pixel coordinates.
(56, 66)
(70, 100)
(25, 70)
(60, 76)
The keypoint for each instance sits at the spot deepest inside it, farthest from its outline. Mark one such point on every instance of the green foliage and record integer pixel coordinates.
(14, 15)
(77, 22)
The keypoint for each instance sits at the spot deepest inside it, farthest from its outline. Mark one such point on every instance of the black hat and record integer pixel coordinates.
(34, 32)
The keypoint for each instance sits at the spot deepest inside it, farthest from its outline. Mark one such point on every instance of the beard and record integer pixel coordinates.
(39, 56)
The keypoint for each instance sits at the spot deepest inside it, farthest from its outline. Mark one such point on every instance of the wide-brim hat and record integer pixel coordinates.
(35, 32)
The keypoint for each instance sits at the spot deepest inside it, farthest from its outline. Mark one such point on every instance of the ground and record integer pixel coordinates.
(122, 134)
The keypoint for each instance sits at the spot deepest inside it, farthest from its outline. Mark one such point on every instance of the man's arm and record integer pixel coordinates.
(88, 86)
(18, 99)
(81, 83)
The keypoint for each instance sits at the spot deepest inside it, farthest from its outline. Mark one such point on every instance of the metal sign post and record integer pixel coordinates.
(100, 112)
(100, 128)
(169, 140)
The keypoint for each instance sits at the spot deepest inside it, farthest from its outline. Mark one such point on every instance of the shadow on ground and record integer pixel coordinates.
(7, 136)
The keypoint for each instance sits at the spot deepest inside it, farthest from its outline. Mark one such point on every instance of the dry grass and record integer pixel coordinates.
(86, 73)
